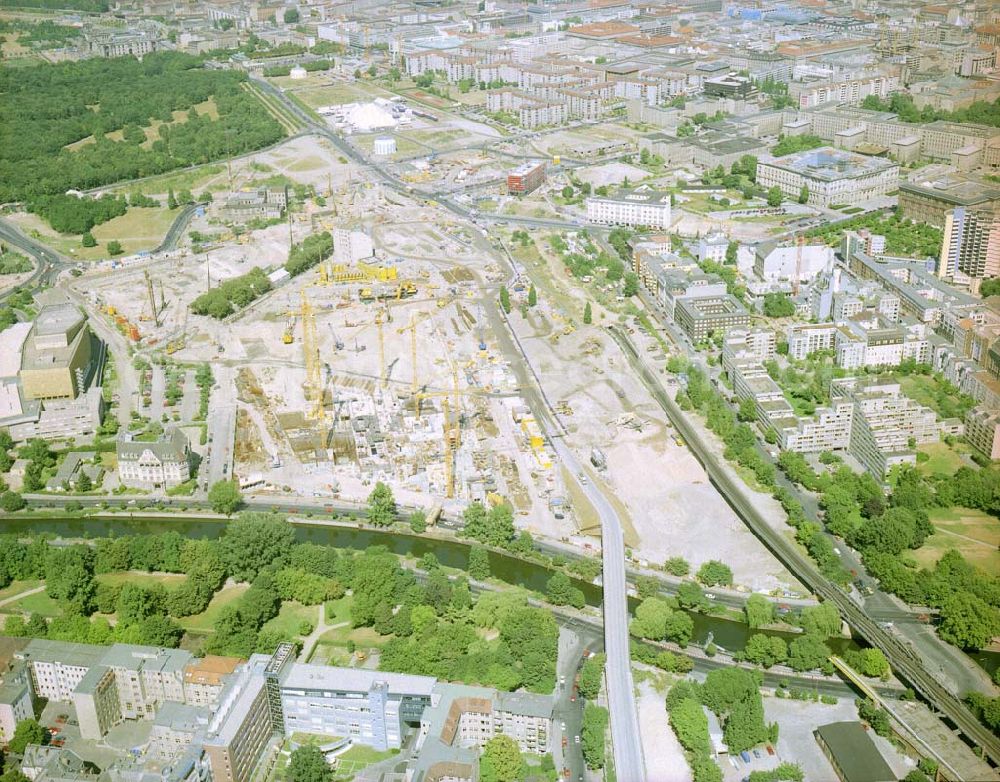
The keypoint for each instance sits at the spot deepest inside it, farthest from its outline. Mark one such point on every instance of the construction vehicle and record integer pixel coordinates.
(338, 343)
(288, 337)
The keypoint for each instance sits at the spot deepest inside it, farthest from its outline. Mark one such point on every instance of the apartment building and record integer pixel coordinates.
(970, 247)
(808, 338)
(261, 203)
(757, 345)
(634, 208)
(868, 340)
(705, 316)
(829, 429)
(751, 381)
(885, 423)
(832, 176)
(982, 430)
(845, 91)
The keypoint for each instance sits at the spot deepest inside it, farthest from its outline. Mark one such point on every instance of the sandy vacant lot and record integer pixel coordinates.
(664, 755)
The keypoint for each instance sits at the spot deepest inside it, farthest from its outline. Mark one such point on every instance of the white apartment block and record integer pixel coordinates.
(647, 208)
(806, 339)
(747, 345)
(773, 263)
(885, 423)
(828, 430)
(844, 91)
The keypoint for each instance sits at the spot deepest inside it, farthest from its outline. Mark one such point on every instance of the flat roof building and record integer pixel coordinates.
(703, 317)
(831, 175)
(852, 753)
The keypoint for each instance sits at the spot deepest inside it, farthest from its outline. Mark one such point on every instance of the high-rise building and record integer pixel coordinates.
(971, 244)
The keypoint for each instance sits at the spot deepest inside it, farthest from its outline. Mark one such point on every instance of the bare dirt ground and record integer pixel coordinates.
(665, 761)
(667, 499)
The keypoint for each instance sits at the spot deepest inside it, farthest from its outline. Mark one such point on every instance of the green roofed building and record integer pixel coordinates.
(852, 753)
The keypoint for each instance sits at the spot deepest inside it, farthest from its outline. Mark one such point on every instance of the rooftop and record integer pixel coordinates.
(324, 677)
(855, 754)
(831, 164)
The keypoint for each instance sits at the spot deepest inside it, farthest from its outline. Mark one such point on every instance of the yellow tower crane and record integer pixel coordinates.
(381, 349)
(310, 351)
(415, 319)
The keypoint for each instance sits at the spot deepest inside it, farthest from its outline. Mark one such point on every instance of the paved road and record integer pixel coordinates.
(906, 663)
(629, 763)
(218, 464)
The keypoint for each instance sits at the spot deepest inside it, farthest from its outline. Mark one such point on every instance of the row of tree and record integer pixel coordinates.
(310, 251)
(222, 301)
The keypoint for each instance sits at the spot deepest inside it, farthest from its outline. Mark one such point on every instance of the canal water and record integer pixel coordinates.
(728, 634)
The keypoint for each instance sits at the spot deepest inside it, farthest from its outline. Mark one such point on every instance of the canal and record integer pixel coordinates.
(726, 633)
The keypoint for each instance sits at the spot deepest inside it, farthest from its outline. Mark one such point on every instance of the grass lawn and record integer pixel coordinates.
(359, 757)
(338, 611)
(942, 398)
(331, 94)
(944, 458)
(16, 587)
(205, 621)
(145, 579)
(194, 179)
(975, 534)
(39, 603)
(141, 228)
(290, 616)
(363, 637)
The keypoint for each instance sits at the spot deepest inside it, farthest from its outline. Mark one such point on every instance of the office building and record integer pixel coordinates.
(58, 355)
(713, 247)
(204, 678)
(832, 176)
(160, 464)
(15, 700)
(635, 208)
(932, 196)
(526, 178)
(701, 318)
(970, 247)
(794, 262)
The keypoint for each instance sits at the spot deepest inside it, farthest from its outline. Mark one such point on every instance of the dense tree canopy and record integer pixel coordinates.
(48, 107)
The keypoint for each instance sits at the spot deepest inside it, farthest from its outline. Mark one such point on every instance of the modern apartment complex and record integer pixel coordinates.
(970, 247)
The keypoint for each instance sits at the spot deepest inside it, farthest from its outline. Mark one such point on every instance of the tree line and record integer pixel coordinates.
(222, 301)
(884, 529)
(310, 251)
(50, 106)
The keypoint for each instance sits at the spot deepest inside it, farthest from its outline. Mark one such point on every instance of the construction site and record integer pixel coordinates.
(353, 372)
